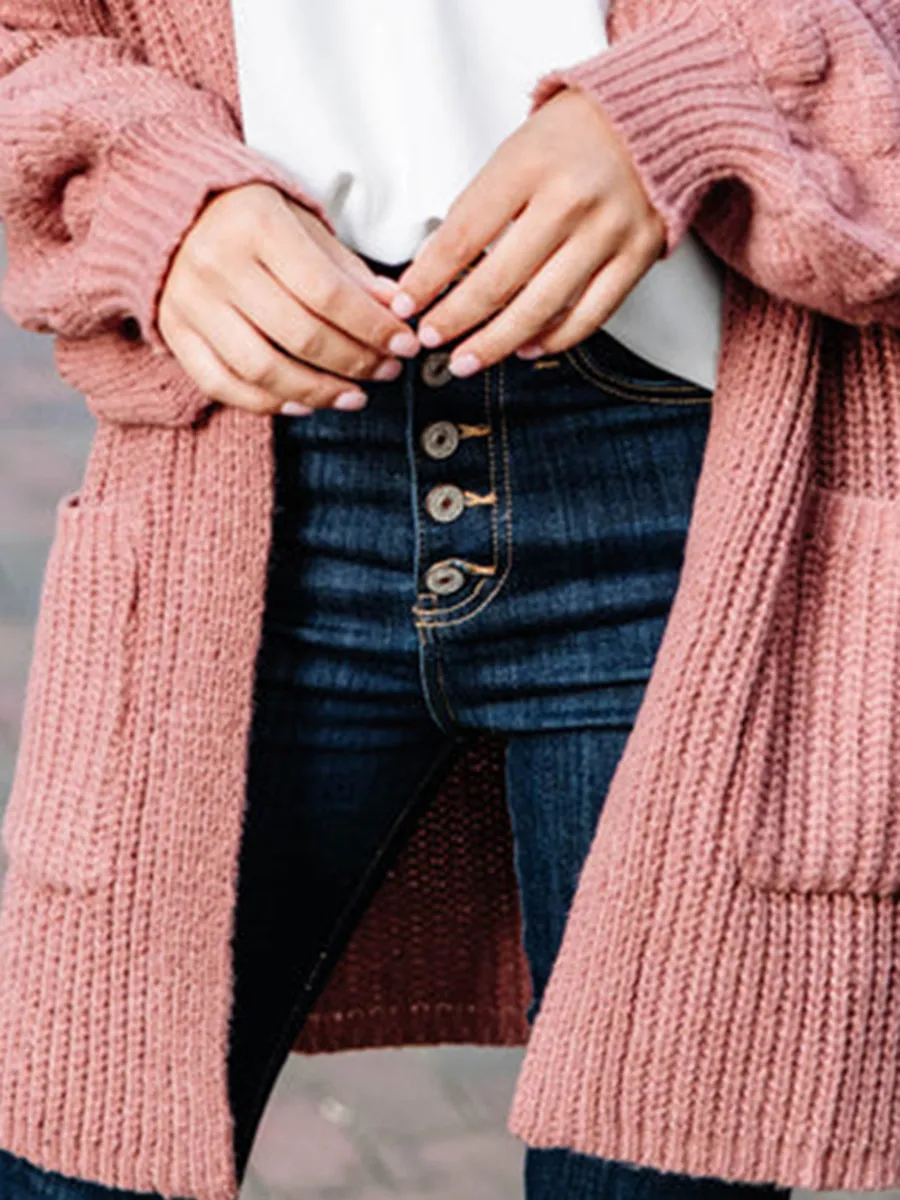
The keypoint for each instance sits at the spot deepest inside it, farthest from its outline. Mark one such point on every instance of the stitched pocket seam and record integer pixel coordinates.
(616, 385)
(61, 824)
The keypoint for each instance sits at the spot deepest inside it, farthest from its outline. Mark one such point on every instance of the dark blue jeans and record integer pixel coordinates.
(497, 554)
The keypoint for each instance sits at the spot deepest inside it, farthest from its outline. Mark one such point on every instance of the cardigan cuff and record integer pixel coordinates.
(161, 174)
(686, 99)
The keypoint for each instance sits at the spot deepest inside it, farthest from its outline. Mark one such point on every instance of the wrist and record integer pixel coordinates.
(682, 99)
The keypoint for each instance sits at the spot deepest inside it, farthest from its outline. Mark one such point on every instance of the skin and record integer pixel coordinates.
(267, 311)
(570, 229)
(263, 307)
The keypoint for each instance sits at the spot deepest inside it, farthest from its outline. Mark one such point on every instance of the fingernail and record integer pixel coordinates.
(388, 371)
(405, 344)
(351, 401)
(531, 351)
(464, 366)
(385, 281)
(292, 409)
(429, 336)
(403, 305)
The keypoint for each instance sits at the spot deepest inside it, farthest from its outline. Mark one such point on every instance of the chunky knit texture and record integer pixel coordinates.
(727, 998)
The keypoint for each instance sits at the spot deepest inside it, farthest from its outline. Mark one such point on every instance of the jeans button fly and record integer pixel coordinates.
(444, 580)
(435, 369)
(440, 439)
(445, 503)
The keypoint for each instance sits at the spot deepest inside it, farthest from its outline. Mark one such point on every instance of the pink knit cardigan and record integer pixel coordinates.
(727, 998)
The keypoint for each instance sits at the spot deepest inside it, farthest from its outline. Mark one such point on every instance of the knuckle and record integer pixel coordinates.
(326, 294)
(526, 317)
(313, 344)
(488, 295)
(575, 192)
(211, 380)
(445, 257)
(249, 205)
(363, 366)
(181, 302)
(619, 223)
(267, 214)
(204, 255)
(261, 370)
(241, 223)
(232, 220)
(259, 199)
(450, 253)
(532, 161)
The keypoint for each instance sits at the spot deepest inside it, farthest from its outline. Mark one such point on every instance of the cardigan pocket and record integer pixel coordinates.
(60, 827)
(818, 779)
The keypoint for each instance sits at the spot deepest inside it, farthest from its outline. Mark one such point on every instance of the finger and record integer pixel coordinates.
(381, 286)
(279, 316)
(596, 305)
(562, 279)
(262, 367)
(308, 273)
(213, 377)
(521, 251)
(477, 216)
(384, 289)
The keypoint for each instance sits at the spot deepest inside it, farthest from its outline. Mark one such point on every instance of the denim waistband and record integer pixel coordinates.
(606, 350)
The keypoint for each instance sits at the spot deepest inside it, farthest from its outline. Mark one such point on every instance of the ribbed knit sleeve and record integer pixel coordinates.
(105, 164)
(773, 129)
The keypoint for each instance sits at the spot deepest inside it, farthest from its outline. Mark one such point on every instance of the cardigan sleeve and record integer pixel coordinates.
(105, 164)
(771, 128)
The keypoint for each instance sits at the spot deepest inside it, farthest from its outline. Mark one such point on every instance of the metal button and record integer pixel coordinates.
(434, 369)
(445, 503)
(443, 580)
(440, 440)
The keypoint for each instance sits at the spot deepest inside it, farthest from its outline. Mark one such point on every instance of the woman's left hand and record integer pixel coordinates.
(581, 233)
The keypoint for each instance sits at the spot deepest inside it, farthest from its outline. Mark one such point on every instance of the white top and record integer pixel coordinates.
(384, 110)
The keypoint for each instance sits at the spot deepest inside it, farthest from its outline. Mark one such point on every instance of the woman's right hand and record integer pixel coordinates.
(263, 307)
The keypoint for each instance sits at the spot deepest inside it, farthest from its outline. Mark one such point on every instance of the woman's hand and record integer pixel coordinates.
(263, 307)
(583, 233)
